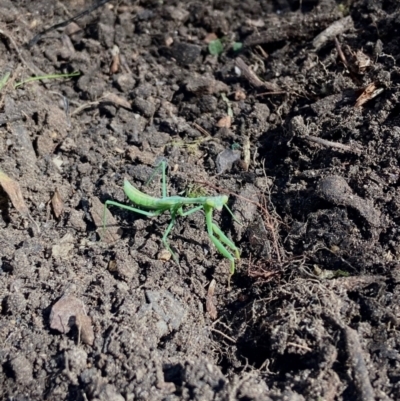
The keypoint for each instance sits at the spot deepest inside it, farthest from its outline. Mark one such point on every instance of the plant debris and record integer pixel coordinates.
(68, 312)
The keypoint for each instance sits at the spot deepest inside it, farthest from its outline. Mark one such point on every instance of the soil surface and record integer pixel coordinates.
(289, 107)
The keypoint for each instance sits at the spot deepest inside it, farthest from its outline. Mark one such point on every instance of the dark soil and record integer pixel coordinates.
(302, 123)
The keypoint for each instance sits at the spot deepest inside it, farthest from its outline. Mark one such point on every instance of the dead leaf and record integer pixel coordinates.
(69, 311)
(210, 307)
(109, 233)
(57, 204)
(13, 191)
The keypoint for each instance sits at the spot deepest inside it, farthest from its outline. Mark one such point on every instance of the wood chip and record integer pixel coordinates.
(116, 61)
(72, 28)
(210, 307)
(57, 204)
(256, 23)
(141, 155)
(369, 93)
(169, 41)
(362, 61)
(203, 85)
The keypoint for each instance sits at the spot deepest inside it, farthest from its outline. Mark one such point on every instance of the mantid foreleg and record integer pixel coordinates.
(223, 239)
(171, 225)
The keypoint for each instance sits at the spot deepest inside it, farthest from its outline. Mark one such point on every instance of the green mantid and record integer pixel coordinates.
(151, 206)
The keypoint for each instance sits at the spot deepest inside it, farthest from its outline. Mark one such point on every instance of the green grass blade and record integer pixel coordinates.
(50, 76)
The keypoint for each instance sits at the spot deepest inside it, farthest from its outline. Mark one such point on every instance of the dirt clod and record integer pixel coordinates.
(22, 369)
(335, 189)
(185, 53)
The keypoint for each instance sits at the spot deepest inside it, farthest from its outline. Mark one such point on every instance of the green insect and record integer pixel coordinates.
(174, 204)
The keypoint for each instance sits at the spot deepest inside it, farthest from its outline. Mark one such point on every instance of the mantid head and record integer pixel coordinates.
(217, 202)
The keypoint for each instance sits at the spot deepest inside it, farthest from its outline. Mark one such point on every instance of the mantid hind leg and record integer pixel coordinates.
(166, 233)
(163, 166)
(130, 208)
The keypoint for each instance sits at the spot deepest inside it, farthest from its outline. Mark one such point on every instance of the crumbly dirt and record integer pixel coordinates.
(297, 119)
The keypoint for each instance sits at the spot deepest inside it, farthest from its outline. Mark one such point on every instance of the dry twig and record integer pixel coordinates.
(253, 78)
(331, 144)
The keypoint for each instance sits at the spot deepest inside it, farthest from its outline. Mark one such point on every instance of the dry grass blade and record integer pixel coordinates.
(13, 191)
